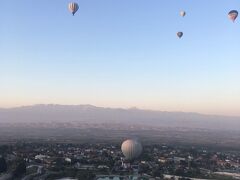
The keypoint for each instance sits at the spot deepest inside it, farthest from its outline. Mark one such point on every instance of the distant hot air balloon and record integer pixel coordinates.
(232, 15)
(73, 7)
(131, 149)
(182, 13)
(179, 34)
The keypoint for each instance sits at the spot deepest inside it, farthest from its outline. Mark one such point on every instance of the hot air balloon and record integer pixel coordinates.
(232, 15)
(182, 13)
(131, 149)
(73, 7)
(179, 34)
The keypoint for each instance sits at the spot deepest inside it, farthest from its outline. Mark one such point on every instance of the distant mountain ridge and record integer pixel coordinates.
(92, 114)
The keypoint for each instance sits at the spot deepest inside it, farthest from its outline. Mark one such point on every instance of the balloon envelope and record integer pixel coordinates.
(73, 7)
(179, 34)
(131, 149)
(232, 15)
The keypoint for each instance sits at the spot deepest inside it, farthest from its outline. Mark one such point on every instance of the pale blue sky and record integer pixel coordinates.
(121, 53)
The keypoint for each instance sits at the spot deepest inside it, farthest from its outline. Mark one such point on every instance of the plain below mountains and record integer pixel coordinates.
(87, 123)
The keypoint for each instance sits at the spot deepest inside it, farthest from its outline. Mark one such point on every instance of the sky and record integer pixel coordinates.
(121, 53)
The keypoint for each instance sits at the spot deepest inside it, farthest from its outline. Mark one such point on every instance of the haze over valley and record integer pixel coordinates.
(87, 122)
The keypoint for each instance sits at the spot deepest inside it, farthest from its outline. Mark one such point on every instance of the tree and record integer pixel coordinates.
(3, 165)
(86, 175)
(157, 173)
(20, 169)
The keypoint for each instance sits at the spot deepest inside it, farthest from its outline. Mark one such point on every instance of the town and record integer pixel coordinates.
(99, 161)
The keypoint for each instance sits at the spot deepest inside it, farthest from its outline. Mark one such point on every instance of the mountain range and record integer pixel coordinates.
(133, 116)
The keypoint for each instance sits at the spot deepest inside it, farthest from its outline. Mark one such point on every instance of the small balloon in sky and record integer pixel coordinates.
(182, 13)
(73, 7)
(179, 34)
(232, 15)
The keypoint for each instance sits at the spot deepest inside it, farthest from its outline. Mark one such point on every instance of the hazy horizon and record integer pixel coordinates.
(96, 121)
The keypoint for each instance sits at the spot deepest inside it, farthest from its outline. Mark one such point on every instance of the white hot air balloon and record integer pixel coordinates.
(131, 149)
(73, 7)
(182, 13)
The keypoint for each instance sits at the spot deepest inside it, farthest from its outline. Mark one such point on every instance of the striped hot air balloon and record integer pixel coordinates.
(232, 15)
(73, 7)
(131, 149)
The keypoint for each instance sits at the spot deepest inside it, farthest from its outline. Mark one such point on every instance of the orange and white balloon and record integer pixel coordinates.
(73, 7)
(232, 15)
